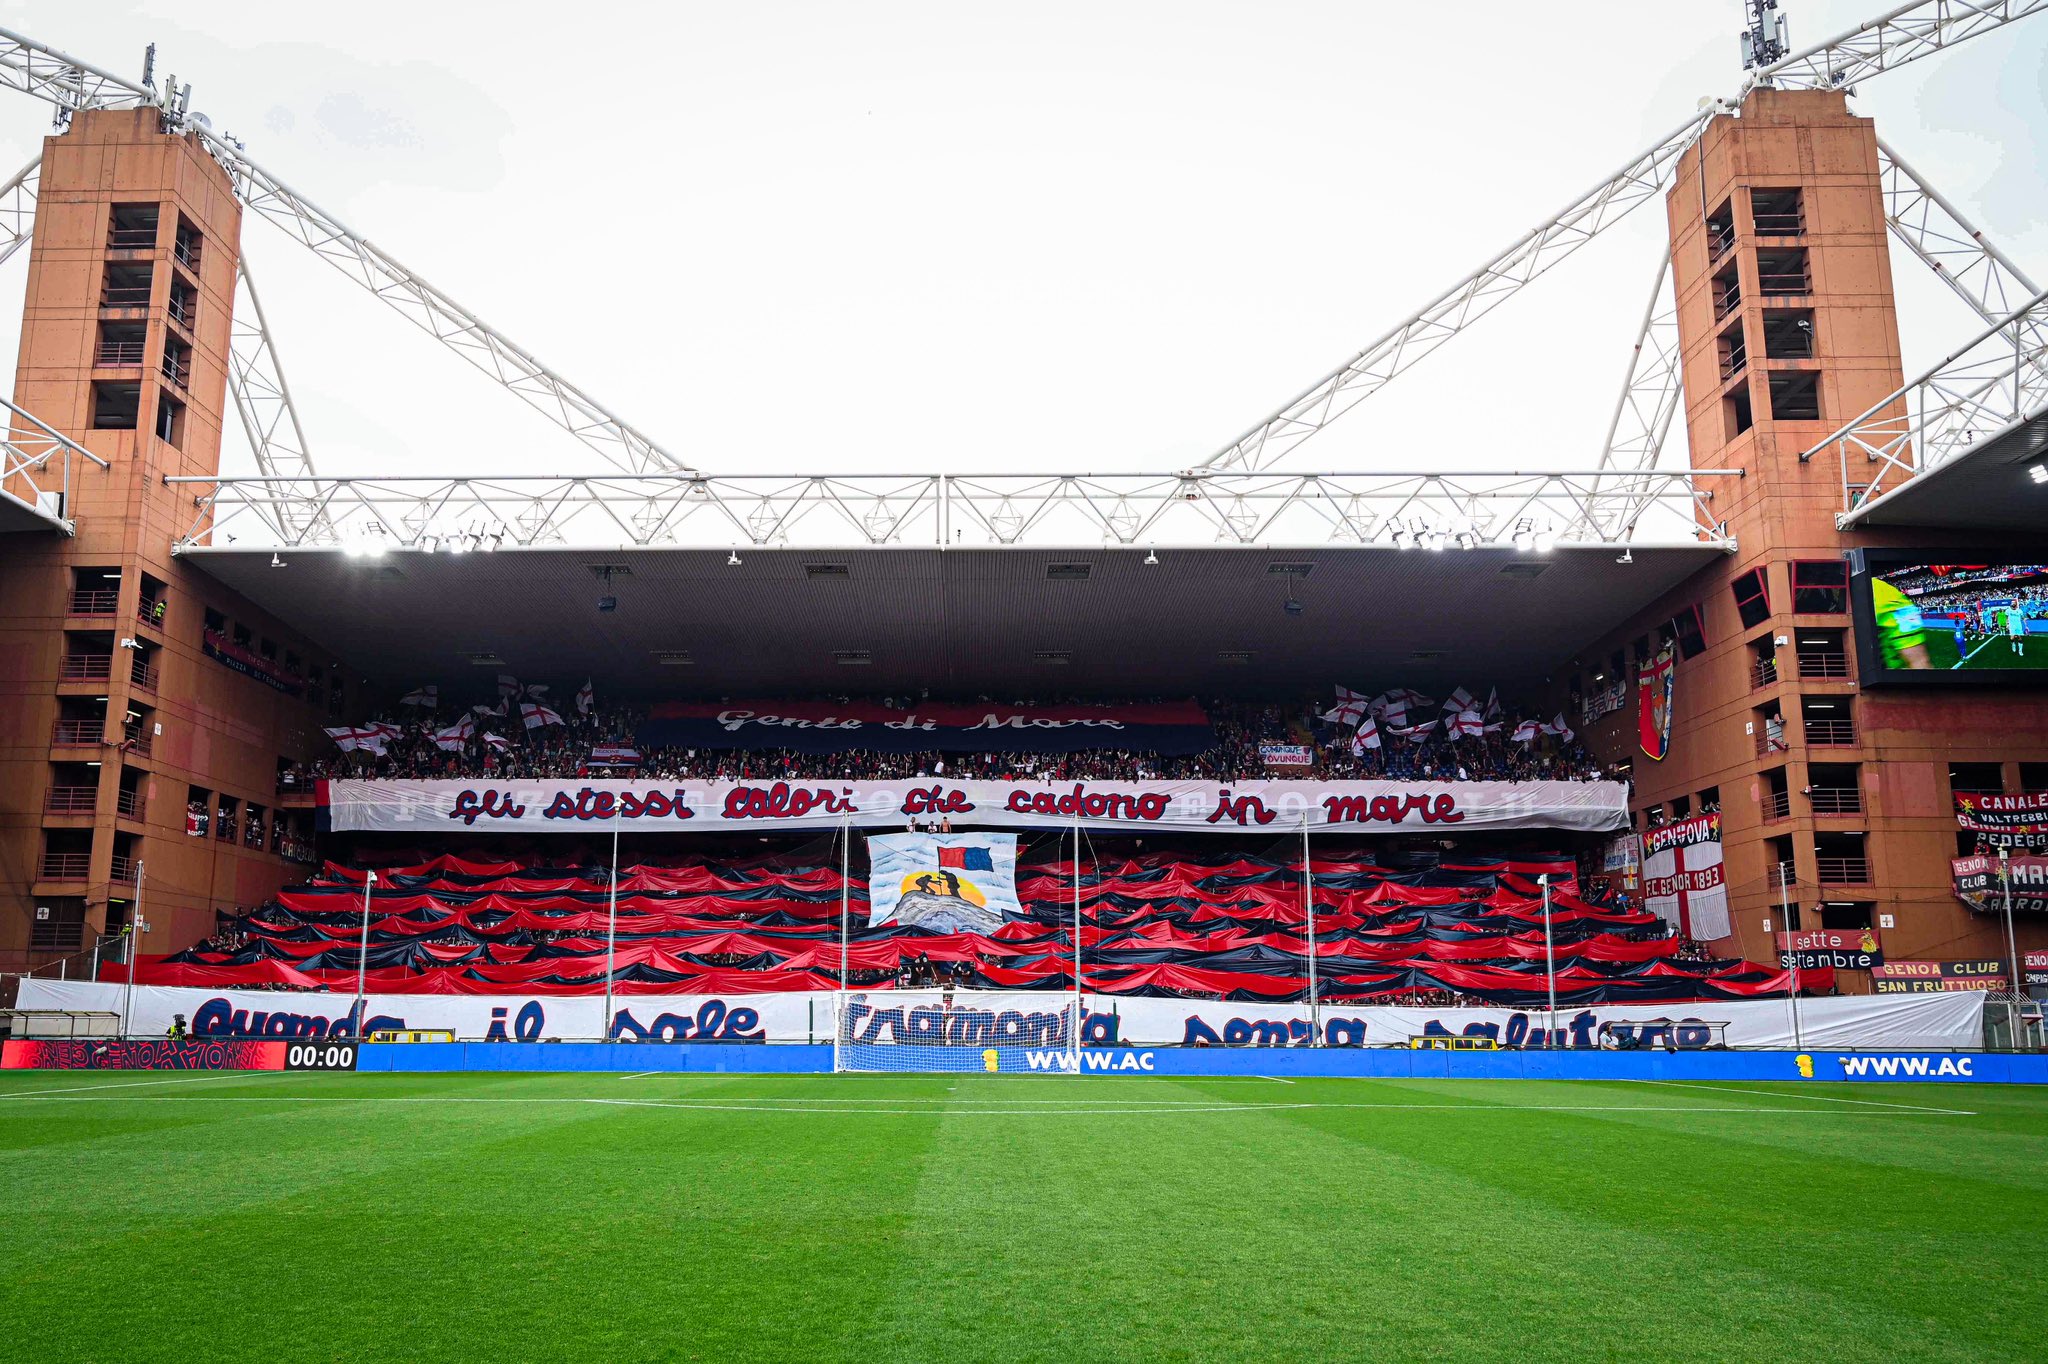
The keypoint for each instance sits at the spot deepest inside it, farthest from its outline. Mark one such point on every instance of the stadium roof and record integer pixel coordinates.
(1017, 622)
(1989, 487)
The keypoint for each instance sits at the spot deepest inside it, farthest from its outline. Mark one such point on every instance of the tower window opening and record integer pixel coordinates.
(1727, 291)
(177, 365)
(1788, 334)
(183, 306)
(1720, 230)
(1736, 416)
(120, 343)
(1783, 273)
(116, 407)
(1733, 352)
(185, 247)
(170, 420)
(1777, 212)
(127, 286)
(132, 227)
(1795, 395)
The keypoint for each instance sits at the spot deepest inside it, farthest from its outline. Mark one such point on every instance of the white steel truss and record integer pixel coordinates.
(1426, 510)
(1996, 382)
(264, 402)
(1458, 307)
(1649, 397)
(18, 209)
(1891, 40)
(72, 85)
(36, 466)
(1935, 230)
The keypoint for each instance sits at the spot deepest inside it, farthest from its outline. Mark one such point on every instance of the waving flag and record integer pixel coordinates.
(508, 685)
(1466, 724)
(1526, 732)
(498, 710)
(428, 696)
(535, 690)
(1493, 710)
(1368, 736)
(497, 741)
(367, 740)
(451, 739)
(1459, 702)
(1558, 727)
(586, 699)
(1413, 733)
(1351, 708)
(535, 715)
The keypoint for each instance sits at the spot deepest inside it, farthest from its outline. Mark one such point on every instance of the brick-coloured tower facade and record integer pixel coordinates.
(1788, 329)
(123, 712)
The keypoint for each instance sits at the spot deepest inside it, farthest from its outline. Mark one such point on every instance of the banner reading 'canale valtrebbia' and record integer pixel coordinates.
(574, 806)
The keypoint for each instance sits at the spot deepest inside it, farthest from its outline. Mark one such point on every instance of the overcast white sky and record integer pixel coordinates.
(958, 237)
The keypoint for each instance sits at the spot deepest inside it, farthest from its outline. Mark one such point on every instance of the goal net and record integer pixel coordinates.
(957, 1030)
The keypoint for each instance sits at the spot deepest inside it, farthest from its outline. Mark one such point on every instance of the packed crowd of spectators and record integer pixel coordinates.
(503, 750)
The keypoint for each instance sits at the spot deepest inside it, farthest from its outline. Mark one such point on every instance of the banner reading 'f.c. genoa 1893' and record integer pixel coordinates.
(831, 727)
(569, 805)
(1683, 882)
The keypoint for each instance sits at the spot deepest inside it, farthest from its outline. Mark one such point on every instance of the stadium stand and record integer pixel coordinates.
(1161, 925)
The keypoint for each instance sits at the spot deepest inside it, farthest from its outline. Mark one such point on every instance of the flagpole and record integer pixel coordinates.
(1077, 942)
(1308, 903)
(136, 927)
(1549, 957)
(611, 933)
(363, 955)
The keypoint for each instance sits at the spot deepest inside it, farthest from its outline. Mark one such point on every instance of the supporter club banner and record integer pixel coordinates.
(1177, 727)
(949, 883)
(1653, 706)
(1978, 885)
(1936, 977)
(2012, 822)
(1682, 877)
(1934, 1022)
(545, 804)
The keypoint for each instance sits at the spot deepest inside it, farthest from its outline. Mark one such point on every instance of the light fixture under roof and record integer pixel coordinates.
(853, 658)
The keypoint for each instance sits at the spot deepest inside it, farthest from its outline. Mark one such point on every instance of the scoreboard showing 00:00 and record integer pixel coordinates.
(320, 1056)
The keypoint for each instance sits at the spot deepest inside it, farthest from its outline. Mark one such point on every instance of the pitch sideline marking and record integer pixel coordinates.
(645, 1073)
(1824, 1098)
(1275, 1079)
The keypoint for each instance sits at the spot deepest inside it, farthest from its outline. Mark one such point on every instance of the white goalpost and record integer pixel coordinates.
(957, 1030)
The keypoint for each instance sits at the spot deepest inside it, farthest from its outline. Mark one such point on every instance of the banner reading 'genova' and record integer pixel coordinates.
(830, 727)
(541, 805)
(1683, 882)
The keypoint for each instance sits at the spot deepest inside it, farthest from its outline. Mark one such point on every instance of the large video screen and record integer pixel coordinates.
(1922, 620)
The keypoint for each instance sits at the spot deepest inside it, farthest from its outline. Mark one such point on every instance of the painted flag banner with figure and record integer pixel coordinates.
(949, 883)
(1653, 706)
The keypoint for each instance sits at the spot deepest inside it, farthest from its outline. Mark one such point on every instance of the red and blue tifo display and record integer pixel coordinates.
(1158, 925)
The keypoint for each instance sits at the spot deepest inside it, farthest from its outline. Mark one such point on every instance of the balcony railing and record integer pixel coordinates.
(131, 804)
(1777, 805)
(65, 866)
(118, 353)
(151, 612)
(1827, 666)
(1781, 285)
(93, 602)
(132, 238)
(1781, 876)
(1835, 800)
(143, 675)
(178, 372)
(1831, 733)
(125, 296)
(1842, 871)
(187, 251)
(122, 868)
(1763, 673)
(1720, 236)
(72, 800)
(1734, 362)
(71, 733)
(182, 309)
(85, 668)
(224, 828)
(138, 741)
(1791, 224)
(1727, 301)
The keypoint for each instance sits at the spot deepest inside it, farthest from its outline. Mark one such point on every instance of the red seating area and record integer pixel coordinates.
(1157, 925)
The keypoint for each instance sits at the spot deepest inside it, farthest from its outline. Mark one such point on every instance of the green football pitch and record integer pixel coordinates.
(627, 1217)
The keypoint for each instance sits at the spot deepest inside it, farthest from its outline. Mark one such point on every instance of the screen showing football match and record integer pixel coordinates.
(1960, 618)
